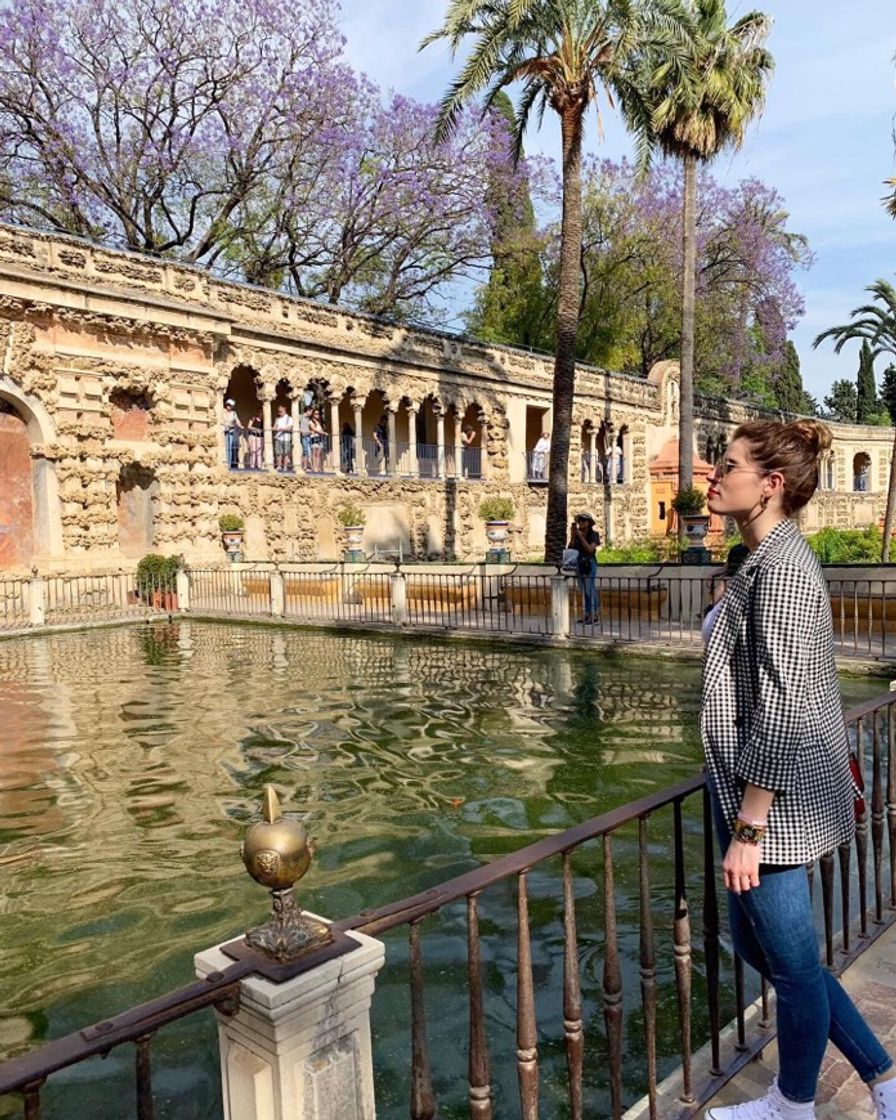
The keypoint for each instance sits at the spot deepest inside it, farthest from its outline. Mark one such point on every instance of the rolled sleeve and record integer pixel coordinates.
(785, 613)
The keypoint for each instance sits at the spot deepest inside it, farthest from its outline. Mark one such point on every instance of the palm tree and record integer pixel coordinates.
(562, 52)
(876, 324)
(700, 109)
(890, 200)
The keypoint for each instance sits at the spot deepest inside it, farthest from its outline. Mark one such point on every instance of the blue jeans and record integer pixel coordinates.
(588, 587)
(232, 439)
(773, 930)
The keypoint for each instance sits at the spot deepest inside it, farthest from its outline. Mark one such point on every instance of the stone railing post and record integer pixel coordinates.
(183, 589)
(278, 595)
(37, 601)
(399, 589)
(559, 606)
(300, 1050)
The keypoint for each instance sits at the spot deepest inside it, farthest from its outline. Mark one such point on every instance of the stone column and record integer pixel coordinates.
(440, 445)
(484, 467)
(278, 595)
(267, 403)
(458, 447)
(37, 601)
(360, 465)
(592, 470)
(183, 589)
(559, 607)
(399, 590)
(335, 440)
(413, 466)
(392, 464)
(300, 1050)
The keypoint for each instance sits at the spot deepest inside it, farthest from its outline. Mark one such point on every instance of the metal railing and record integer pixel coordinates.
(70, 600)
(334, 595)
(502, 603)
(645, 930)
(14, 604)
(231, 592)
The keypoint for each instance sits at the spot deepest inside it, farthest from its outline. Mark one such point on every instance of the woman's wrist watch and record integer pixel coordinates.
(748, 832)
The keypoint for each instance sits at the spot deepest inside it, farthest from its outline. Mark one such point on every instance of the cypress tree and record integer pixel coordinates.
(867, 406)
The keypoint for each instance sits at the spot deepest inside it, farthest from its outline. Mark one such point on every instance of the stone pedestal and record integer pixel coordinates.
(559, 607)
(300, 1050)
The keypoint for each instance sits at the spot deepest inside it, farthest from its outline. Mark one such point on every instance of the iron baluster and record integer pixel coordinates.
(891, 798)
(681, 934)
(31, 1094)
(572, 993)
(422, 1100)
(826, 867)
(612, 983)
(526, 1031)
(479, 1070)
(143, 1070)
(711, 933)
(844, 851)
(862, 837)
(739, 1004)
(765, 1020)
(647, 961)
(877, 816)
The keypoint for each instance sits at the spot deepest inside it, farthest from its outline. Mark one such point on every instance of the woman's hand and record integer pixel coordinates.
(741, 866)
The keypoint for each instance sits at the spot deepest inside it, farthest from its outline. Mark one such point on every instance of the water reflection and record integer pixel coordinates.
(132, 759)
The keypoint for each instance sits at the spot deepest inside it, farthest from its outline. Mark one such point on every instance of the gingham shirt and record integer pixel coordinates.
(771, 712)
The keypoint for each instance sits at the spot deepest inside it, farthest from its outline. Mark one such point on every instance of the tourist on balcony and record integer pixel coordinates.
(777, 762)
(347, 449)
(540, 455)
(381, 442)
(585, 539)
(317, 440)
(283, 439)
(255, 441)
(305, 437)
(232, 431)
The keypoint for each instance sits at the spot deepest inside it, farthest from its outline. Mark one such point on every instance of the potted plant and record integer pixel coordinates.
(157, 581)
(231, 526)
(689, 503)
(352, 518)
(497, 514)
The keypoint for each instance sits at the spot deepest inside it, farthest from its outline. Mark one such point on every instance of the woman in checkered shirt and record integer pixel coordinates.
(777, 762)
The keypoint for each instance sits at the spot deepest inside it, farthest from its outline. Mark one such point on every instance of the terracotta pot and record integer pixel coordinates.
(165, 600)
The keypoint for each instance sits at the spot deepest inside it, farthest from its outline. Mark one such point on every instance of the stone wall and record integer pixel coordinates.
(116, 367)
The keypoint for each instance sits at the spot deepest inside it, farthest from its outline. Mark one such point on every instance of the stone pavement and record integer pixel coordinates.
(871, 981)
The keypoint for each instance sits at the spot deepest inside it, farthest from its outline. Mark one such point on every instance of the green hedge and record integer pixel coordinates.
(847, 546)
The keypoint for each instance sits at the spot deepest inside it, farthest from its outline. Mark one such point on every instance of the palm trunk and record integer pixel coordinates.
(688, 297)
(890, 515)
(567, 326)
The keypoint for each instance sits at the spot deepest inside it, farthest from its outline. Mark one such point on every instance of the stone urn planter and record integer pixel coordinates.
(353, 535)
(233, 544)
(696, 526)
(496, 533)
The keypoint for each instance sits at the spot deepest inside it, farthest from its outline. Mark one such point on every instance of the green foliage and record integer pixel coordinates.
(689, 501)
(497, 509)
(231, 523)
(350, 515)
(888, 393)
(156, 573)
(847, 546)
(650, 551)
(841, 404)
(867, 404)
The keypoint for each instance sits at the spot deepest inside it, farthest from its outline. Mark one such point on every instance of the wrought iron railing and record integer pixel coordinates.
(14, 604)
(867, 889)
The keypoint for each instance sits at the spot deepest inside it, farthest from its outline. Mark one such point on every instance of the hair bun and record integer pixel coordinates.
(817, 435)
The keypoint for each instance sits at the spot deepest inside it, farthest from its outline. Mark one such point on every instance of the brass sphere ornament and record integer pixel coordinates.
(277, 852)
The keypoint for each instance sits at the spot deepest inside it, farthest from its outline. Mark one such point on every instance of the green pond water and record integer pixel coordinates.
(133, 758)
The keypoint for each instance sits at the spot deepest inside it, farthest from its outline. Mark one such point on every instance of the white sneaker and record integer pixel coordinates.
(773, 1106)
(884, 1100)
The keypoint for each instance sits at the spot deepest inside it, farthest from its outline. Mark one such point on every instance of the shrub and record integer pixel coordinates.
(350, 515)
(650, 551)
(689, 502)
(847, 546)
(497, 509)
(156, 573)
(231, 523)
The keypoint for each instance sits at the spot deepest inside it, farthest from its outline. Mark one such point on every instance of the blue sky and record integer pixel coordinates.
(824, 140)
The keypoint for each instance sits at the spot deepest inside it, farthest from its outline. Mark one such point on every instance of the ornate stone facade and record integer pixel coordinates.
(116, 368)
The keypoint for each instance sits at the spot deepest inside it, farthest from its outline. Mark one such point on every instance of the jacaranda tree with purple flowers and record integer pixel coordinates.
(234, 135)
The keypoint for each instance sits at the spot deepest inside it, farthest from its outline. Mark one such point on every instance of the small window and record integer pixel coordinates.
(662, 511)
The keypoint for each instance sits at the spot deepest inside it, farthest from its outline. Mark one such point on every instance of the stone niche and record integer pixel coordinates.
(130, 415)
(137, 491)
(16, 491)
